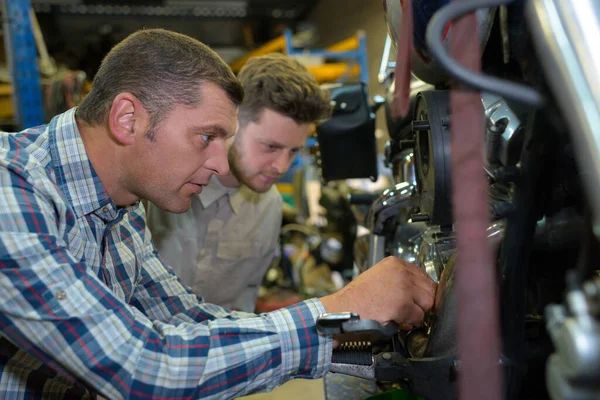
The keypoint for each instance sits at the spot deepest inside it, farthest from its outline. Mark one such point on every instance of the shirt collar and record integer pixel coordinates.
(237, 196)
(75, 175)
(214, 191)
(243, 195)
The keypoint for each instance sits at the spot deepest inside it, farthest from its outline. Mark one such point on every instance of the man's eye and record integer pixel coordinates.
(207, 138)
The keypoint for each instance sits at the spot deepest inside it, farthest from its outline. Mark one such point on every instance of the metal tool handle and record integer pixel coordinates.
(347, 322)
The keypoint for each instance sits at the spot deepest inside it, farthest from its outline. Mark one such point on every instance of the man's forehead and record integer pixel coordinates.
(215, 121)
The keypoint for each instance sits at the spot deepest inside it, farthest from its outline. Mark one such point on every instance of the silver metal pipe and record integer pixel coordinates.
(376, 249)
(399, 197)
(566, 38)
(385, 69)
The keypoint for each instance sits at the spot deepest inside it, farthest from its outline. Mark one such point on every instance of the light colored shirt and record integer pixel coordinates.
(87, 306)
(223, 245)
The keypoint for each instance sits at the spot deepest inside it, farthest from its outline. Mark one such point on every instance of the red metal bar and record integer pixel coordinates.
(401, 101)
(477, 293)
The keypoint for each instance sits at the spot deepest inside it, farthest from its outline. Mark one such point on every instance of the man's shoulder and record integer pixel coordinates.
(25, 151)
(26, 156)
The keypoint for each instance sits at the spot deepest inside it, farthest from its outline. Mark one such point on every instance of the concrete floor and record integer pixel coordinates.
(296, 389)
(332, 387)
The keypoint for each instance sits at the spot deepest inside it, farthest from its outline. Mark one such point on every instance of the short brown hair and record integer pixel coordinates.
(283, 85)
(162, 69)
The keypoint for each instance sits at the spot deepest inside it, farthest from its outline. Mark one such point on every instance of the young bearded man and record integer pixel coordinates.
(223, 246)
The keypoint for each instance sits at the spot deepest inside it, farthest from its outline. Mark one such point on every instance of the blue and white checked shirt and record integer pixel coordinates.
(86, 305)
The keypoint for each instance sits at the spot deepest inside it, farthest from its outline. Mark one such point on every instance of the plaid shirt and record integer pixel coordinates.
(86, 305)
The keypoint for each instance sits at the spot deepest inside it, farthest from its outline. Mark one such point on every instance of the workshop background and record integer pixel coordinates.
(483, 171)
(53, 48)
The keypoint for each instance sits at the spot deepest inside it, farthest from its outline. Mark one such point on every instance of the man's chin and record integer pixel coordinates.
(259, 187)
(176, 206)
(255, 184)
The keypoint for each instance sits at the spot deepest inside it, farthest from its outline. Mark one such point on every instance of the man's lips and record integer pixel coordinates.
(271, 179)
(197, 187)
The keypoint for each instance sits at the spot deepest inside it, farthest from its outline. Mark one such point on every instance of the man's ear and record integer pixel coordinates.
(127, 118)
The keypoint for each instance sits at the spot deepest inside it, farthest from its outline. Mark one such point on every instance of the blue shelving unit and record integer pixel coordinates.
(358, 56)
(21, 54)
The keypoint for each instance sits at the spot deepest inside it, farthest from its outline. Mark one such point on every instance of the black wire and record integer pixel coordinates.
(507, 89)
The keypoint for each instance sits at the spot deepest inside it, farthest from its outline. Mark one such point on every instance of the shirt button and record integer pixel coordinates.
(61, 295)
(105, 209)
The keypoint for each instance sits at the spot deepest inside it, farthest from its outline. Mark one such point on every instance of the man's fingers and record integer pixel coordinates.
(424, 289)
(406, 327)
(413, 316)
(416, 317)
(424, 300)
(427, 286)
(415, 269)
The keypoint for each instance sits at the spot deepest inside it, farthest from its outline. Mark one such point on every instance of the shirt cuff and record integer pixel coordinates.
(305, 353)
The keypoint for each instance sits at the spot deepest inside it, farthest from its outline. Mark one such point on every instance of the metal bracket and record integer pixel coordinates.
(359, 55)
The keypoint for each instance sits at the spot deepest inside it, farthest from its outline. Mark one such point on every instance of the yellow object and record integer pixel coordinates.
(273, 46)
(284, 188)
(87, 87)
(6, 107)
(328, 72)
(333, 72)
(347, 44)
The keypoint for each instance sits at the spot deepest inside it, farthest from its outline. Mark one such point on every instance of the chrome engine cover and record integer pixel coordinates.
(437, 257)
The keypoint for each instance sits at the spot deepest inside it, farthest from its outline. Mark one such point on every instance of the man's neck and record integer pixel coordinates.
(228, 180)
(104, 159)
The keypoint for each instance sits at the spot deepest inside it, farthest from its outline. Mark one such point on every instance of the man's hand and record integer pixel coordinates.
(391, 290)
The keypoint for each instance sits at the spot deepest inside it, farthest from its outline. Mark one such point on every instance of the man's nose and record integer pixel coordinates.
(217, 161)
(282, 162)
